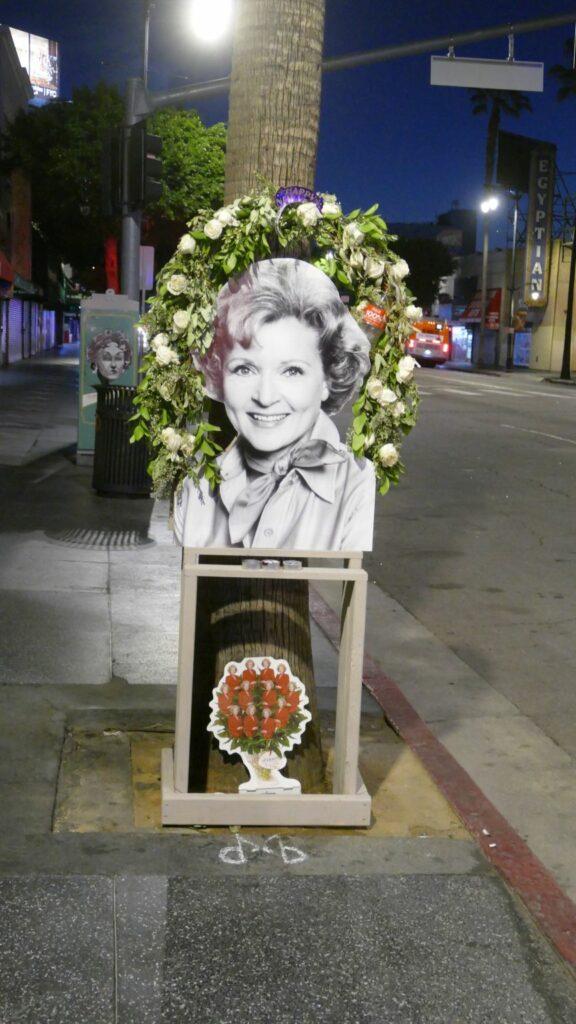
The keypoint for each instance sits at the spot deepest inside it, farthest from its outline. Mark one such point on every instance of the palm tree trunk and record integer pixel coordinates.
(274, 94)
(272, 133)
(491, 143)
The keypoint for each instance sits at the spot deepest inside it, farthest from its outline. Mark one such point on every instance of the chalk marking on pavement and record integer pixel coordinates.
(289, 854)
(245, 848)
(540, 433)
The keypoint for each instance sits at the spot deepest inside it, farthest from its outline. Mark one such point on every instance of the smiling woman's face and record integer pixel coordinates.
(273, 390)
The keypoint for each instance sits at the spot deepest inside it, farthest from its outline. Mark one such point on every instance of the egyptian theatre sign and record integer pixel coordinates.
(539, 229)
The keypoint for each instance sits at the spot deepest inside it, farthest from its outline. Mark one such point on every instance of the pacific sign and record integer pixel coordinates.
(539, 230)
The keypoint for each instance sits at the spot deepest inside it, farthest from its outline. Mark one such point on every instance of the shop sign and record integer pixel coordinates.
(539, 230)
(471, 314)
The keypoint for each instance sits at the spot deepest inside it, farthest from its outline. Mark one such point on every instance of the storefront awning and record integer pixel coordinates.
(471, 314)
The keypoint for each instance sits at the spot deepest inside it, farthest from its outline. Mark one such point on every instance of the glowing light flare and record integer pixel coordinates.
(211, 20)
(489, 204)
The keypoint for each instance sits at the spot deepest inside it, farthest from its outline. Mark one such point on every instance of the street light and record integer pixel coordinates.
(211, 19)
(489, 204)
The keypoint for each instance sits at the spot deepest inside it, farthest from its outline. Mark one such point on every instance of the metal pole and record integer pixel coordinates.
(510, 339)
(567, 353)
(485, 240)
(148, 5)
(131, 219)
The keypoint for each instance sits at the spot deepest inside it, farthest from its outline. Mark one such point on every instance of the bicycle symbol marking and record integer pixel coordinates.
(245, 849)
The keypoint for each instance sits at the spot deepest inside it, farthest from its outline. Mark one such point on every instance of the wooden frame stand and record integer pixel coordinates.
(349, 804)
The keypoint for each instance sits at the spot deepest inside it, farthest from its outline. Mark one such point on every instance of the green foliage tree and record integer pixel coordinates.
(193, 163)
(495, 103)
(429, 261)
(59, 147)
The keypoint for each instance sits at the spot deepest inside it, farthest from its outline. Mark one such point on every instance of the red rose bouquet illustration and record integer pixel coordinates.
(259, 711)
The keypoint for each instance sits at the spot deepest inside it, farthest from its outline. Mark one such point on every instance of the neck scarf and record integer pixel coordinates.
(251, 502)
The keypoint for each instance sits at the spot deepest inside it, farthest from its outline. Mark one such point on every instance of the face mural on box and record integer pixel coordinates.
(286, 356)
(109, 354)
(259, 711)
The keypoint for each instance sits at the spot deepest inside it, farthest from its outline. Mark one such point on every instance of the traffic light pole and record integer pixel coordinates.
(131, 219)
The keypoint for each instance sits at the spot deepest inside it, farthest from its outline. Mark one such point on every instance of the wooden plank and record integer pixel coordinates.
(312, 809)
(349, 695)
(188, 595)
(240, 571)
(281, 553)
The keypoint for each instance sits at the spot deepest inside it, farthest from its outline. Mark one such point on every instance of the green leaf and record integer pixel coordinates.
(384, 486)
(359, 422)
(371, 210)
(358, 443)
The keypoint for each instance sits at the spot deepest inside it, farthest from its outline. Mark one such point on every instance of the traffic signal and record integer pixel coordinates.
(144, 166)
(112, 172)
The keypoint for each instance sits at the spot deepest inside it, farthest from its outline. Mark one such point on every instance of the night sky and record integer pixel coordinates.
(386, 135)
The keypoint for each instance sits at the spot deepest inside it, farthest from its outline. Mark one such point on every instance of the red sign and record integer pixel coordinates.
(375, 316)
(471, 314)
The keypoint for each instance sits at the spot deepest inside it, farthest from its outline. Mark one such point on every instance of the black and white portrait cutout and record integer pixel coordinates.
(286, 356)
(109, 354)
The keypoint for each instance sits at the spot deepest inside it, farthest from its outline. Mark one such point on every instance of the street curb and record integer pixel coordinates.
(553, 911)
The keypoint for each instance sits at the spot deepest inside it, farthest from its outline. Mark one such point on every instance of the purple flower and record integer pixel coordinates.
(291, 194)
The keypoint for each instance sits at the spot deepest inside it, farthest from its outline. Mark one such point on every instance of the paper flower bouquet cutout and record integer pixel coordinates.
(259, 711)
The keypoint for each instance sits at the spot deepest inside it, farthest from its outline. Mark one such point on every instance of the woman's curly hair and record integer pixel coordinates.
(276, 289)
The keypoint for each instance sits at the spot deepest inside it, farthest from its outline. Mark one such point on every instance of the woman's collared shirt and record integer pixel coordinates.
(326, 508)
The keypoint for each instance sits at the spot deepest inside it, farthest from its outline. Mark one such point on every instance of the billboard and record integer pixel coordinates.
(40, 58)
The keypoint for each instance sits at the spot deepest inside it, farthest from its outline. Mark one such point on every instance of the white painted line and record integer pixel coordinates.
(457, 391)
(540, 433)
(502, 389)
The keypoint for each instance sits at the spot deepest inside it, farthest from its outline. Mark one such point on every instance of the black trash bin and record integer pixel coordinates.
(119, 467)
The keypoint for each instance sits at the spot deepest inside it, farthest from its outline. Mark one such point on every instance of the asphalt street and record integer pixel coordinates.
(479, 540)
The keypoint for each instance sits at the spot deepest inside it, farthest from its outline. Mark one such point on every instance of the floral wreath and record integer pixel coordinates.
(352, 250)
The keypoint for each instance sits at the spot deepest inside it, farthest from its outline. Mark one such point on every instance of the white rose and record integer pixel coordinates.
(187, 243)
(353, 235)
(181, 319)
(158, 340)
(331, 208)
(213, 229)
(374, 268)
(399, 270)
(309, 214)
(177, 284)
(406, 367)
(166, 355)
(413, 312)
(172, 439)
(226, 215)
(188, 444)
(388, 455)
(374, 388)
(398, 410)
(388, 397)
(356, 259)
(166, 392)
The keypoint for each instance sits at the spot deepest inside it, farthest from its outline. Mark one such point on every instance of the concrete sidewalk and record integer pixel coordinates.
(212, 926)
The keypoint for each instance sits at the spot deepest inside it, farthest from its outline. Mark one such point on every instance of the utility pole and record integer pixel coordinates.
(567, 351)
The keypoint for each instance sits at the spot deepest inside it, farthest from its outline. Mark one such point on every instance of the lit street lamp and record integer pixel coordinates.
(489, 204)
(210, 21)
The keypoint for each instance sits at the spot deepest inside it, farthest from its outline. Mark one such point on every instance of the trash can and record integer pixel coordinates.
(119, 467)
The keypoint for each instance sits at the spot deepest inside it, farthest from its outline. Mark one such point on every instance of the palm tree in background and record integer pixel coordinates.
(495, 103)
(566, 74)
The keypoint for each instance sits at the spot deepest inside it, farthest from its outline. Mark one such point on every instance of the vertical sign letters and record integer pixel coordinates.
(539, 231)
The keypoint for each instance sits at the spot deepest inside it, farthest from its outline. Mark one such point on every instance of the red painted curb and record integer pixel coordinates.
(554, 912)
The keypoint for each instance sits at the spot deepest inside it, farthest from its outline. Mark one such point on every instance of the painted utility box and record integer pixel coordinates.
(109, 354)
